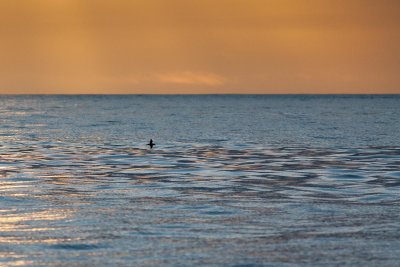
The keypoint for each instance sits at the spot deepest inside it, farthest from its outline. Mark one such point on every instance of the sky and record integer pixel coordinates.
(199, 46)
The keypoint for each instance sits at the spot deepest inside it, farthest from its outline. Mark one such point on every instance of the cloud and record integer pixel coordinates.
(191, 78)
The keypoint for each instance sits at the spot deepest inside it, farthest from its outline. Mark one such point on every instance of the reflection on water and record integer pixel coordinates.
(67, 205)
(232, 181)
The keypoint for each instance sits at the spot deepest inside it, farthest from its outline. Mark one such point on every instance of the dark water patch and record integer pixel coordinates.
(76, 246)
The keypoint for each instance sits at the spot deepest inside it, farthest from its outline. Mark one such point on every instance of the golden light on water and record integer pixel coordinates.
(179, 46)
(23, 225)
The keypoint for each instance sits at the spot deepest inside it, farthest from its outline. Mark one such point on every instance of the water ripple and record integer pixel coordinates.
(93, 200)
(76, 191)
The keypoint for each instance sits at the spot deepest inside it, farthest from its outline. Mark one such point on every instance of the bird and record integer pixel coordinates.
(151, 143)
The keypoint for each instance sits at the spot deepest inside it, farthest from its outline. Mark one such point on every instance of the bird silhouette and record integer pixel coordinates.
(151, 143)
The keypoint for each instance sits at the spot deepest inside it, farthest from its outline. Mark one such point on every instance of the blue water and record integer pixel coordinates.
(233, 180)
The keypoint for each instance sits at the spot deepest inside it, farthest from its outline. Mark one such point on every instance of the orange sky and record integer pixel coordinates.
(199, 46)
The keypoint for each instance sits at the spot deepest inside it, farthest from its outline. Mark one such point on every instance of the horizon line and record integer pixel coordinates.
(188, 94)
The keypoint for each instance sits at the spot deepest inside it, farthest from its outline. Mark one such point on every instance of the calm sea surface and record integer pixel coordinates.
(232, 181)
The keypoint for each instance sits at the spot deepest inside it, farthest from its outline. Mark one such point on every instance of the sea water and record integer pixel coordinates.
(247, 180)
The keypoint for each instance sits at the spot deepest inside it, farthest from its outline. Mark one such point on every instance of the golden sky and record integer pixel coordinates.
(199, 46)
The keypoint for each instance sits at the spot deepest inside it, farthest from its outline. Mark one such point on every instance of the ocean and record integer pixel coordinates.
(234, 180)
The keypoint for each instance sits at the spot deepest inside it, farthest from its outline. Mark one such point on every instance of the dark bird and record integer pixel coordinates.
(151, 144)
